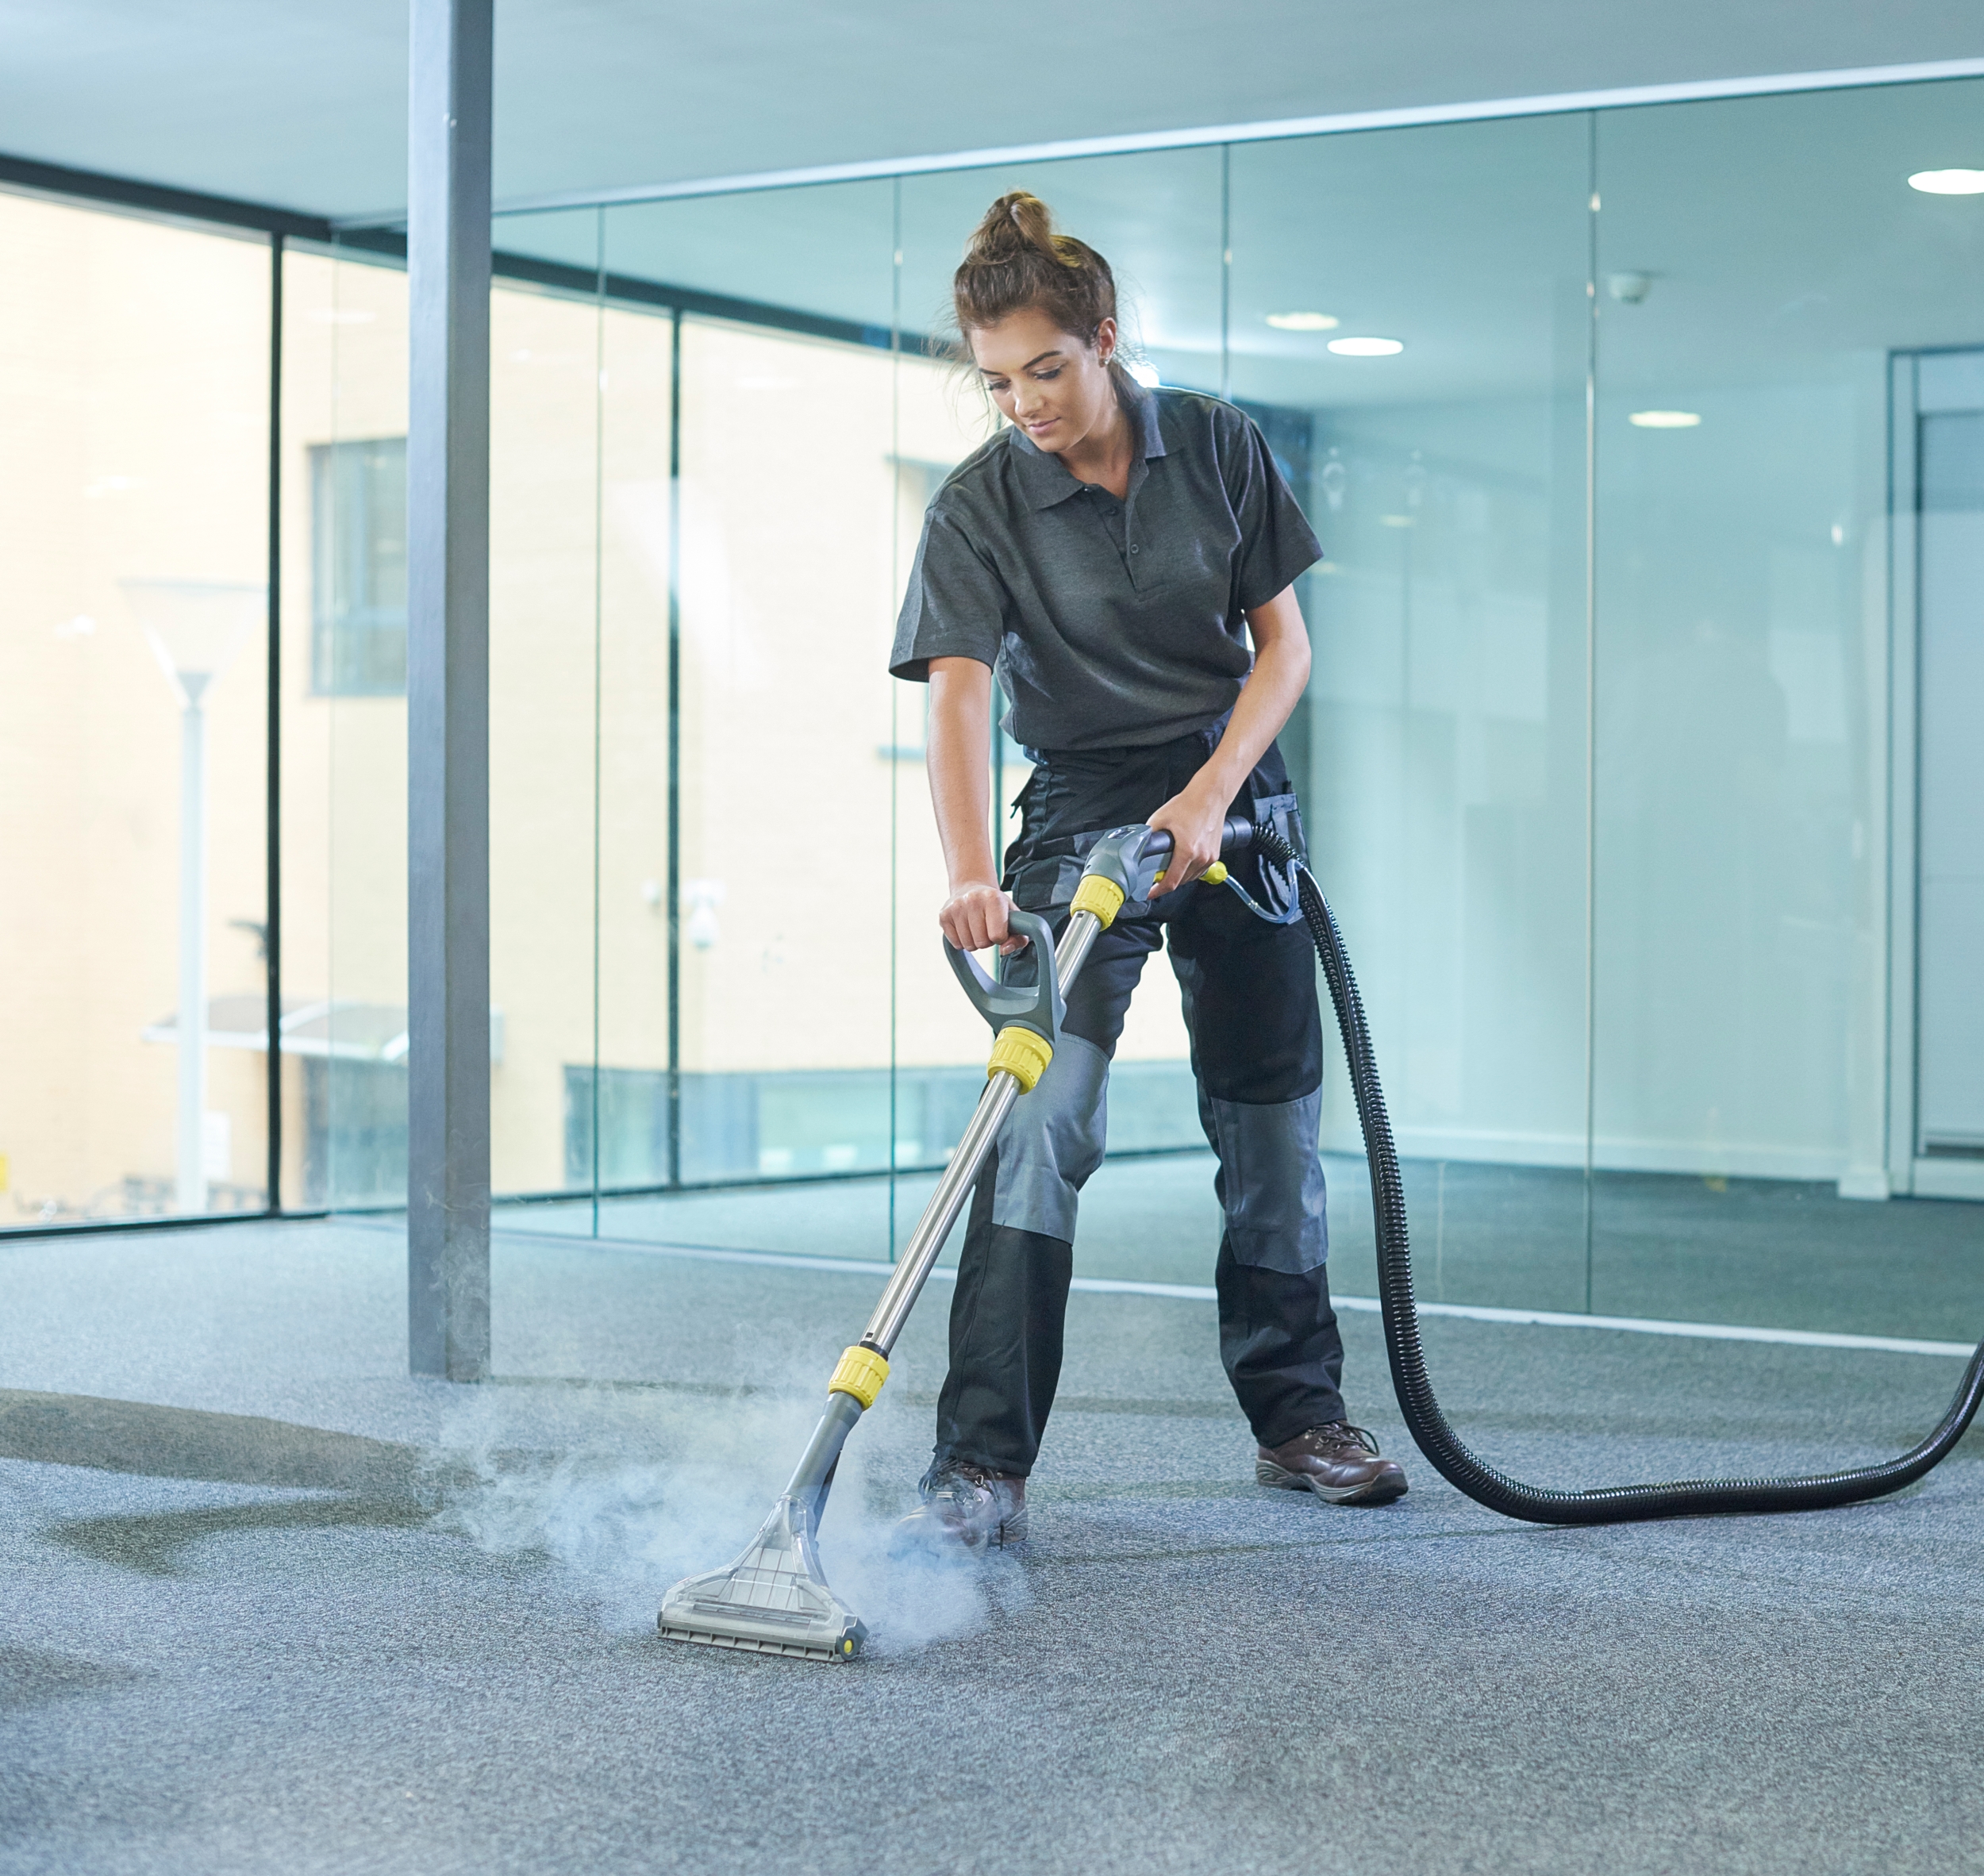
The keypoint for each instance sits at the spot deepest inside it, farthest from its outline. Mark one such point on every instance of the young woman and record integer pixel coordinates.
(1111, 554)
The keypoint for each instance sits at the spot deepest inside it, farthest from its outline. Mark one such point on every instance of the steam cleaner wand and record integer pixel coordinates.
(775, 1599)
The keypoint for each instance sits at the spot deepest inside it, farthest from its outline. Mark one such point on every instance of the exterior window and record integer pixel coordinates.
(357, 510)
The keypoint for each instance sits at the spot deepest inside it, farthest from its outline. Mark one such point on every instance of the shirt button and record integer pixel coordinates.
(1132, 547)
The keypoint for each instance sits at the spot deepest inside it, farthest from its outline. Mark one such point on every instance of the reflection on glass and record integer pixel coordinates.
(358, 567)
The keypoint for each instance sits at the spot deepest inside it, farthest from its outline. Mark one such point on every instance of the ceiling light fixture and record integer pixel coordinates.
(1304, 322)
(1366, 348)
(1665, 420)
(1948, 181)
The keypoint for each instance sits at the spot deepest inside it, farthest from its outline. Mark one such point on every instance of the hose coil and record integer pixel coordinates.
(1606, 1504)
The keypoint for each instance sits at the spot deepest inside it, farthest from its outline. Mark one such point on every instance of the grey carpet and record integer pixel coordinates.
(449, 1664)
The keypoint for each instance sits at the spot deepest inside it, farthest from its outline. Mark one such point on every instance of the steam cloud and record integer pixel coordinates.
(659, 1485)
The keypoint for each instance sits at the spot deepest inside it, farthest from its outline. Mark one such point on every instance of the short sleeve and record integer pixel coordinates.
(955, 606)
(1278, 545)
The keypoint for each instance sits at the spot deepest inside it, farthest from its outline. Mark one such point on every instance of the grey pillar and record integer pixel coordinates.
(447, 691)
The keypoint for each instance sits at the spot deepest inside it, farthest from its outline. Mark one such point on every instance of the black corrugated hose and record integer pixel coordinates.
(1605, 1504)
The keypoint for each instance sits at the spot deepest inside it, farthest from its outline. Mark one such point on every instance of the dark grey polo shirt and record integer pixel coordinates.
(1110, 624)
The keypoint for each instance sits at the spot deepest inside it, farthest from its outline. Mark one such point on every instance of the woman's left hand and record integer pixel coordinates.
(1195, 824)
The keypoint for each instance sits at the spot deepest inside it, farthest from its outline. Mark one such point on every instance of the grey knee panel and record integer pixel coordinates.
(1052, 1141)
(1270, 1180)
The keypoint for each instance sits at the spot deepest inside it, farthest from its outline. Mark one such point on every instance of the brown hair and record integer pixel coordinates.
(1017, 263)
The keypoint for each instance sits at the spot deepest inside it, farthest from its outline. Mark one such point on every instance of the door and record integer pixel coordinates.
(1949, 898)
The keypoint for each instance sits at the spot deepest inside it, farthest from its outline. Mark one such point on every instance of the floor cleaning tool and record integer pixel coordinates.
(775, 1600)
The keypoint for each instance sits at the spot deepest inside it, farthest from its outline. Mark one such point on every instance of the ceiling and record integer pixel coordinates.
(302, 105)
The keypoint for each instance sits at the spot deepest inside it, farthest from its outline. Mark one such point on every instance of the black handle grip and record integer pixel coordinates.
(1236, 838)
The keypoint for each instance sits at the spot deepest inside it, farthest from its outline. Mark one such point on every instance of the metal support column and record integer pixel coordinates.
(674, 748)
(272, 913)
(447, 244)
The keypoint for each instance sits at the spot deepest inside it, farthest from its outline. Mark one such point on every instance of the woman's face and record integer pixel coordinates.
(1047, 382)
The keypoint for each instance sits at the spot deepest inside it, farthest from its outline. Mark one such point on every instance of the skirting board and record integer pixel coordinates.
(1704, 1159)
(1949, 1178)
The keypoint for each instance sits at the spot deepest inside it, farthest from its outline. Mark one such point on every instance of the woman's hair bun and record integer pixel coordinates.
(1016, 263)
(1015, 223)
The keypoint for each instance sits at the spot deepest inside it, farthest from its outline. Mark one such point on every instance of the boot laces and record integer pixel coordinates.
(1341, 1433)
(957, 1479)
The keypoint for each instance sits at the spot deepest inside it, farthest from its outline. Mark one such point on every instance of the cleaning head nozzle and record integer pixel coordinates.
(774, 1600)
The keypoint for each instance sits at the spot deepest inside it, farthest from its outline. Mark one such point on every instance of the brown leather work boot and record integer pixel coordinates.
(1339, 1462)
(966, 1505)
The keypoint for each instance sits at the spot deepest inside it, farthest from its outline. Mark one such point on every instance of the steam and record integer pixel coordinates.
(659, 1485)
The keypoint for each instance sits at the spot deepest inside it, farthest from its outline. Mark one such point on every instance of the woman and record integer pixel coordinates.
(1111, 554)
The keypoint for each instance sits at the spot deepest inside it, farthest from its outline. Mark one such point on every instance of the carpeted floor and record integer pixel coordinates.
(270, 1605)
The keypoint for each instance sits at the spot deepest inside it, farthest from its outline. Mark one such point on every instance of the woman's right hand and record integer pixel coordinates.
(960, 741)
(974, 916)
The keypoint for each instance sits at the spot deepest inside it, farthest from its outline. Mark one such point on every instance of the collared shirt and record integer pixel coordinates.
(1110, 624)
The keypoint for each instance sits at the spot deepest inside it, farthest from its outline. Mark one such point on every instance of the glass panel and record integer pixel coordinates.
(345, 729)
(1441, 756)
(136, 419)
(545, 697)
(1759, 262)
(631, 1128)
(345, 726)
(751, 527)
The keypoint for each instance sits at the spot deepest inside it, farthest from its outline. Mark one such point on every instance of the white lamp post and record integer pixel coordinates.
(194, 628)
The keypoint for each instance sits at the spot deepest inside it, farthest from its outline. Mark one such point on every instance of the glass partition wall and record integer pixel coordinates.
(1636, 442)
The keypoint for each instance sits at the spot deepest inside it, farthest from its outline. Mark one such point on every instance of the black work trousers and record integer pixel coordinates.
(1251, 1008)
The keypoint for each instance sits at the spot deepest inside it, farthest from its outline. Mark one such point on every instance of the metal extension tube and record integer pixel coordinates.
(1002, 1089)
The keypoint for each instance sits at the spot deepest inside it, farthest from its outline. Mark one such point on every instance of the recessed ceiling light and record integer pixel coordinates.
(1366, 348)
(1665, 420)
(1304, 322)
(1948, 181)
(1145, 376)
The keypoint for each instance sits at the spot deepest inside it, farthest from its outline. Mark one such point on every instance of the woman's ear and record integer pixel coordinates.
(1105, 340)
